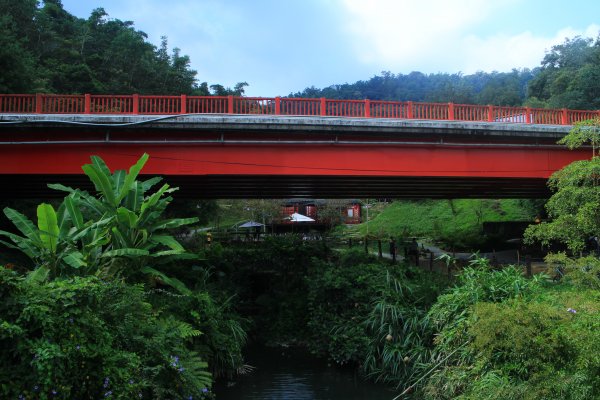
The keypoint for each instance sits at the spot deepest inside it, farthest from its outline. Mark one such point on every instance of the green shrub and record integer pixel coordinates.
(354, 306)
(502, 336)
(268, 279)
(535, 351)
(400, 335)
(583, 272)
(223, 332)
(87, 338)
(521, 337)
(339, 301)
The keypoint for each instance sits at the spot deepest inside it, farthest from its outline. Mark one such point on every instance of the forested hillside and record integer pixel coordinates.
(569, 76)
(43, 48)
(499, 88)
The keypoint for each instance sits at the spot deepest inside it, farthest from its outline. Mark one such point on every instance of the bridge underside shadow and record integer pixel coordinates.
(301, 186)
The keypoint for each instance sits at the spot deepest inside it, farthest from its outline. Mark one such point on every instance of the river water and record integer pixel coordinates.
(293, 374)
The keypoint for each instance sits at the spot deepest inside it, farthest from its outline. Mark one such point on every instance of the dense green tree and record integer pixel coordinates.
(574, 208)
(569, 76)
(498, 88)
(16, 62)
(43, 48)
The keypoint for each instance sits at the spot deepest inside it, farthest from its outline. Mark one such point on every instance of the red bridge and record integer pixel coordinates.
(227, 147)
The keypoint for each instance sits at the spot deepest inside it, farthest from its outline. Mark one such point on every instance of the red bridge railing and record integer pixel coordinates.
(167, 105)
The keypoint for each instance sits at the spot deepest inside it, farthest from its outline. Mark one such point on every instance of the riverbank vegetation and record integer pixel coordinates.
(489, 334)
(114, 306)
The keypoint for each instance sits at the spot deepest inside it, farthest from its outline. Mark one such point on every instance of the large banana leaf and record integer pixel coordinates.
(102, 183)
(127, 217)
(75, 259)
(73, 211)
(166, 253)
(48, 226)
(94, 204)
(128, 252)
(99, 226)
(24, 225)
(101, 165)
(132, 176)
(173, 282)
(118, 179)
(120, 239)
(38, 275)
(168, 241)
(149, 218)
(152, 200)
(23, 244)
(135, 197)
(174, 223)
(149, 183)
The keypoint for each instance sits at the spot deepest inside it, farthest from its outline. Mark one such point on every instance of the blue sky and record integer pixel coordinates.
(284, 46)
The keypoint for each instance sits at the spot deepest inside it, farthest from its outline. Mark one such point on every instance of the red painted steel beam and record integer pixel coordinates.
(310, 160)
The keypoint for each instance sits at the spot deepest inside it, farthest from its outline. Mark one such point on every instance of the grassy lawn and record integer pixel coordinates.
(454, 222)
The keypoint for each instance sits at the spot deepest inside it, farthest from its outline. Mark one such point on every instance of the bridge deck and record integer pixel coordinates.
(245, 156)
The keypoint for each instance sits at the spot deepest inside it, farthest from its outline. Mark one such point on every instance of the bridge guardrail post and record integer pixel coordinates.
(323, 106)
(277, 105)
(136, 103)
(39, 99)
(409, 109)
(451, 111)
(528, 115)
(87, 104)
(183, 106)
(564, 117)
(490, 113)
(367, 108)
(229, 104)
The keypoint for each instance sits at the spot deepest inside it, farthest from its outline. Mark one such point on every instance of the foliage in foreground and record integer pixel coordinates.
(90, 320)
(501, 336)
(87, 338)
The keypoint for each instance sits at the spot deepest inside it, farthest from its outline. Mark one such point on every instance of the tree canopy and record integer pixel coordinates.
(574, 207)
(43, 48)
(569, 76)
(499, 88)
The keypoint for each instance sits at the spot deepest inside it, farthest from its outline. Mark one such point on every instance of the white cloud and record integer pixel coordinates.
(438, 36)
(503, 52)
(397, 31)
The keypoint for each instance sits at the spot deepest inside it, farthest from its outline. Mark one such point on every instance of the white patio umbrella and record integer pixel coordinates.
(295, 217)
(250, 224)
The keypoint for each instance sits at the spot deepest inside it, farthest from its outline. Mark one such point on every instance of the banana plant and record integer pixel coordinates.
(52, 244)
(139, 241)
